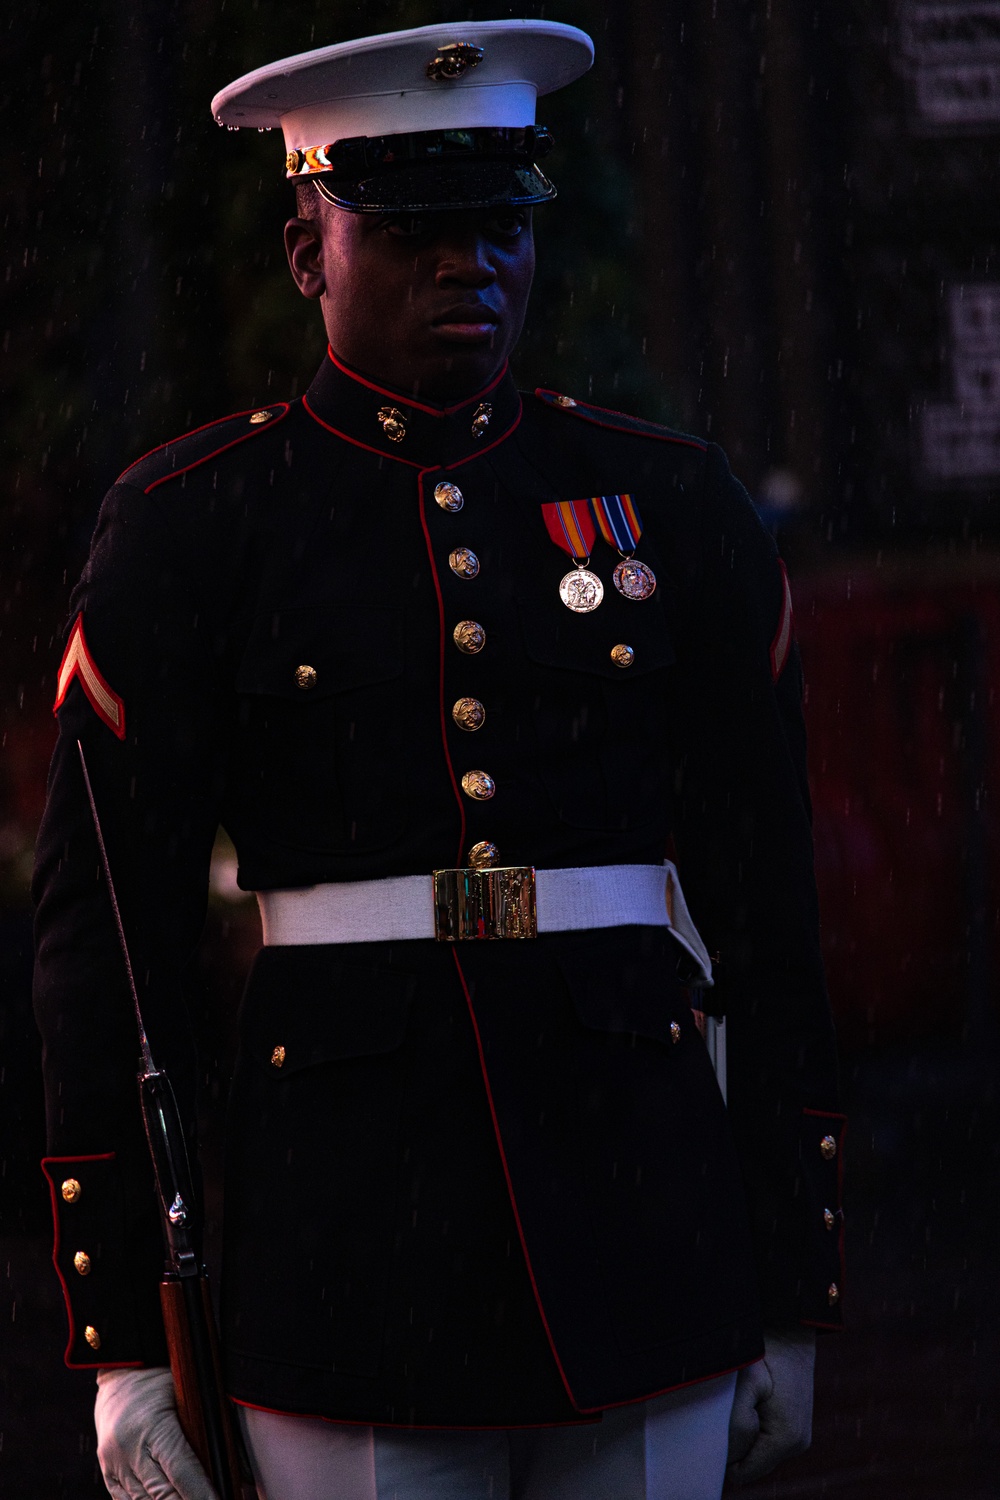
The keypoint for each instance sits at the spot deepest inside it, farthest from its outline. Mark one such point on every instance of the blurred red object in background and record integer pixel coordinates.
(901, 713)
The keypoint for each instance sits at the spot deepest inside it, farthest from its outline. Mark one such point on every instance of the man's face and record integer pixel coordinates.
(429, 304)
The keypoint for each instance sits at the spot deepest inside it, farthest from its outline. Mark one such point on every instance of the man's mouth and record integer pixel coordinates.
(470, 321)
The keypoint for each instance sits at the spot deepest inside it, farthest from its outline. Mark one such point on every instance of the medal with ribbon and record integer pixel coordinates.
(571, 526)
(619, 524)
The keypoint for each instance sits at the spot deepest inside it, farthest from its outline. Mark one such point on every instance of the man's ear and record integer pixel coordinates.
(303, 246)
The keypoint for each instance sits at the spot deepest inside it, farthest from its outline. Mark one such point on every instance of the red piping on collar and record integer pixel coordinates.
(357, 443)
(412, 463)
(447, 468)
(431, 411)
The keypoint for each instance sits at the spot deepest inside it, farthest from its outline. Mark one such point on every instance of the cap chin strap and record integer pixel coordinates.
(362, 156)
(335, 193)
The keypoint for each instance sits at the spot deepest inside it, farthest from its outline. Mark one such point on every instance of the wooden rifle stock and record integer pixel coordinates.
(203, 1428)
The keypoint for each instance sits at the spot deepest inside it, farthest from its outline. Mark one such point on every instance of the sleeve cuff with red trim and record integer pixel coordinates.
(111, 1322)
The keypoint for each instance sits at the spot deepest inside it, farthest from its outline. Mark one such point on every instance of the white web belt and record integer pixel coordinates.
(403, 908)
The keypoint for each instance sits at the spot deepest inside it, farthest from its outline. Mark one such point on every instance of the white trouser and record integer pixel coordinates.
(670, 1448)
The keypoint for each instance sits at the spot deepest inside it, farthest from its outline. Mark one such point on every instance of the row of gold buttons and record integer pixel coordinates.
(72, 1192)
(470, 638)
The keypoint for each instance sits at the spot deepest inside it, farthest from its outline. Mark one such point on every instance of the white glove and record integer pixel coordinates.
(142, 1451)
(772, 1409)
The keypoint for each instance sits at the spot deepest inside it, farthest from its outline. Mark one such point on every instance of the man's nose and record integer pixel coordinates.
(466, 261)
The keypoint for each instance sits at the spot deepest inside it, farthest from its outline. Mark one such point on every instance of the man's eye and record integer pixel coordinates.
(405, 226)
(509, 225)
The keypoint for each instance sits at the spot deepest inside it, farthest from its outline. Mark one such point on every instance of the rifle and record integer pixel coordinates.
(184, 1291)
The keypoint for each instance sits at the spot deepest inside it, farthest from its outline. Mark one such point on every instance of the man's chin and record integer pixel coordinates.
(457, 368)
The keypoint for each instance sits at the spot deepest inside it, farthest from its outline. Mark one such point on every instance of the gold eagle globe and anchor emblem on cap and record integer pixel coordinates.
(453, 60)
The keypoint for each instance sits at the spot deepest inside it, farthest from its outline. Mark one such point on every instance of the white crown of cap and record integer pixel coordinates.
(378, 85)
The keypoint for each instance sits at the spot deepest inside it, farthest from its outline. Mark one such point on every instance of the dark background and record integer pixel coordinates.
(779, 226)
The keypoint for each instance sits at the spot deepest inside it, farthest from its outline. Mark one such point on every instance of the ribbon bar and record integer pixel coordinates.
(570, 524)
(618, 521)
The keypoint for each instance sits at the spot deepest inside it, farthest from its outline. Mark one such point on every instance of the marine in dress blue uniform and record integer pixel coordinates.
(469, 1184)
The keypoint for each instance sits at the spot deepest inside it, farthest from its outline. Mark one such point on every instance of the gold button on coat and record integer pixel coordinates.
(92, 1336)
(278, 1057)
(71, 1190)
(829, 1218)
(469, 714)
(828, 1148)
(484, 855)
(305, 678)
(833, 1293)
(463, 562)
(260, 416)
(449, 496)
(478, 785)
(81, 1261)
(469, 636)
(675, 1032)
(565, 401)
(622, 655)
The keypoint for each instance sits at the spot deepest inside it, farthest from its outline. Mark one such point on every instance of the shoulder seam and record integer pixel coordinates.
(281, 409)
(598, 417)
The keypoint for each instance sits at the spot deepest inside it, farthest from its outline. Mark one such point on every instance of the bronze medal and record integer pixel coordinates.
(633, 579)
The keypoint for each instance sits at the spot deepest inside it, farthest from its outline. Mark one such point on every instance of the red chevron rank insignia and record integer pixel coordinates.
(78, 662)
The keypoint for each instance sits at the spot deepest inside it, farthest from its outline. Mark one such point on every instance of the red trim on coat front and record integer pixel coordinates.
(78, 664)
(582, 409)
(97, 1364)
(510, 1184)
(274, 1411)
(243, 438)
(431, 411)
(441, 654)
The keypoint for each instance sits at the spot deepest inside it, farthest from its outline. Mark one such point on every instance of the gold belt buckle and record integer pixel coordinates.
(490, 903)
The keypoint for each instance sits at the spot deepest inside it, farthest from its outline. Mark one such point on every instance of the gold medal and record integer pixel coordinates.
(581, 591)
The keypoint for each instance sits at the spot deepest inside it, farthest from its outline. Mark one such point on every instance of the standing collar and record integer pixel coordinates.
(412, 432)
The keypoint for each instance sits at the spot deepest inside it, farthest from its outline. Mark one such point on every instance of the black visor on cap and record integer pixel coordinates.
(435, 169)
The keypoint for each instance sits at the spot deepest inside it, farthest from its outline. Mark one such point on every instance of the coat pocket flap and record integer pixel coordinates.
(305, 1006)
(307, 654)
(628, 992)
(584, 643)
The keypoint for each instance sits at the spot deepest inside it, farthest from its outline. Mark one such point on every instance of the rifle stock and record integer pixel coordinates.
(188, 1321)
